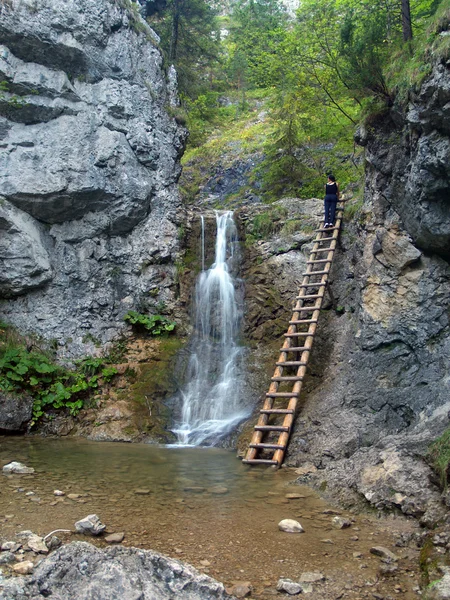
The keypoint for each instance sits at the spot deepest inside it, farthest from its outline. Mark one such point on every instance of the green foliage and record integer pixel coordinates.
(187, 29)
(411, 64)
(267, 223)
(50, 385)
(439, 457)
(154, 324)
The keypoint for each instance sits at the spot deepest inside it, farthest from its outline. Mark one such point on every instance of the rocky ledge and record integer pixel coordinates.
(80, 570)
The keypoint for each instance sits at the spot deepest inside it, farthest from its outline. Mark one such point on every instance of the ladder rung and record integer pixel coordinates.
(259, 461)
(327, 229)
(299, 334)
(323, 250)
(282, 394)
(301, 321)
(268, 446)
(295, 349)
(316, 273)
(291, 363)
(271, 428)
(277, 411)
(287, 378)
(319, 260)
(309, 297)
(308, 285)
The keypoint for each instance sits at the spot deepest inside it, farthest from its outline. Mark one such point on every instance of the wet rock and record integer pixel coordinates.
(53, 543)
(90, 525)
(114, 538)
(306, 469)
(290, 526)
(80, 570)
(17, 467)
(23, 568)
(341, 523)
(11, 546)
(440, 590)
(37, 544)
(313, 577)
(240, 589)
(58, 493)
(142, 492)
(218, 490)
(74, 496)
(384, 553)
(290, 587)
(7, 557)
(294, 496)
(15, 412)
(387, 570)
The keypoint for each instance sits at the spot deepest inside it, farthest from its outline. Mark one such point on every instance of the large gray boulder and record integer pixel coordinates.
(81, 571)
(89, 160)
(15, 412)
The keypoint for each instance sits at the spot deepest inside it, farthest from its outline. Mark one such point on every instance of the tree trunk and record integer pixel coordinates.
(175, 30)
(406, 21)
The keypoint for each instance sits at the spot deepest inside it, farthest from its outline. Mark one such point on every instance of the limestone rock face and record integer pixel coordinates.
(80, 570)
(89, 159)
(415, 182)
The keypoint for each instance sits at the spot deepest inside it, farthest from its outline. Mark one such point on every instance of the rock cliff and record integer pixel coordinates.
(89, 160)
(377, 392)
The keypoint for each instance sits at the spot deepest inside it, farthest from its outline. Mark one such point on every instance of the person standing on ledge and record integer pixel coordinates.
(331, 199)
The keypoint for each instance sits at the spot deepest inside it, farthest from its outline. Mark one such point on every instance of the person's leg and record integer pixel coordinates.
(327, 212)
(332, 212)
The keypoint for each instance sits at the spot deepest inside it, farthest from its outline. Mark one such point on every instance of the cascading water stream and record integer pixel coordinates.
(210, 399)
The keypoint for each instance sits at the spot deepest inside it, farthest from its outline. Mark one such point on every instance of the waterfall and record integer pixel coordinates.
(210, 398)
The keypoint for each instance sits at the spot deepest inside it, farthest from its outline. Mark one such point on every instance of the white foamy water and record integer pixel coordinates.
(211, 405)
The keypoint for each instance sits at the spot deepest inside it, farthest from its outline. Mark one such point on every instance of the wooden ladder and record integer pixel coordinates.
(265, 448)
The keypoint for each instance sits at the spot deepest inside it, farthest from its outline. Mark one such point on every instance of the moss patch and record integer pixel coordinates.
(155, 383)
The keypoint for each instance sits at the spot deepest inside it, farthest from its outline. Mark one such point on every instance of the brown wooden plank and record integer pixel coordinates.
(302, 321)
(288, 378)
(309, 297)
(291, 363)
(316, 273)
(271, 428)
(277, 411)
(299, 334)
(259, 461)
(281, 395)
(295, 349)
(267, 446)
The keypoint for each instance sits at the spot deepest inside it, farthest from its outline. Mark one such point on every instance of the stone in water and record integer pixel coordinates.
(114, 538)
(290, 587)
(90, 525)
(17, 467)
(290, 526)
(340, 523)
(24, 568)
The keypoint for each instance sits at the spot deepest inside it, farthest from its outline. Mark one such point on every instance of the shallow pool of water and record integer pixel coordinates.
(200, 505)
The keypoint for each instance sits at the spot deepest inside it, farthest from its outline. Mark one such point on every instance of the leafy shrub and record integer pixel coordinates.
(439, 457)
(35, 373)
(154, 324)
